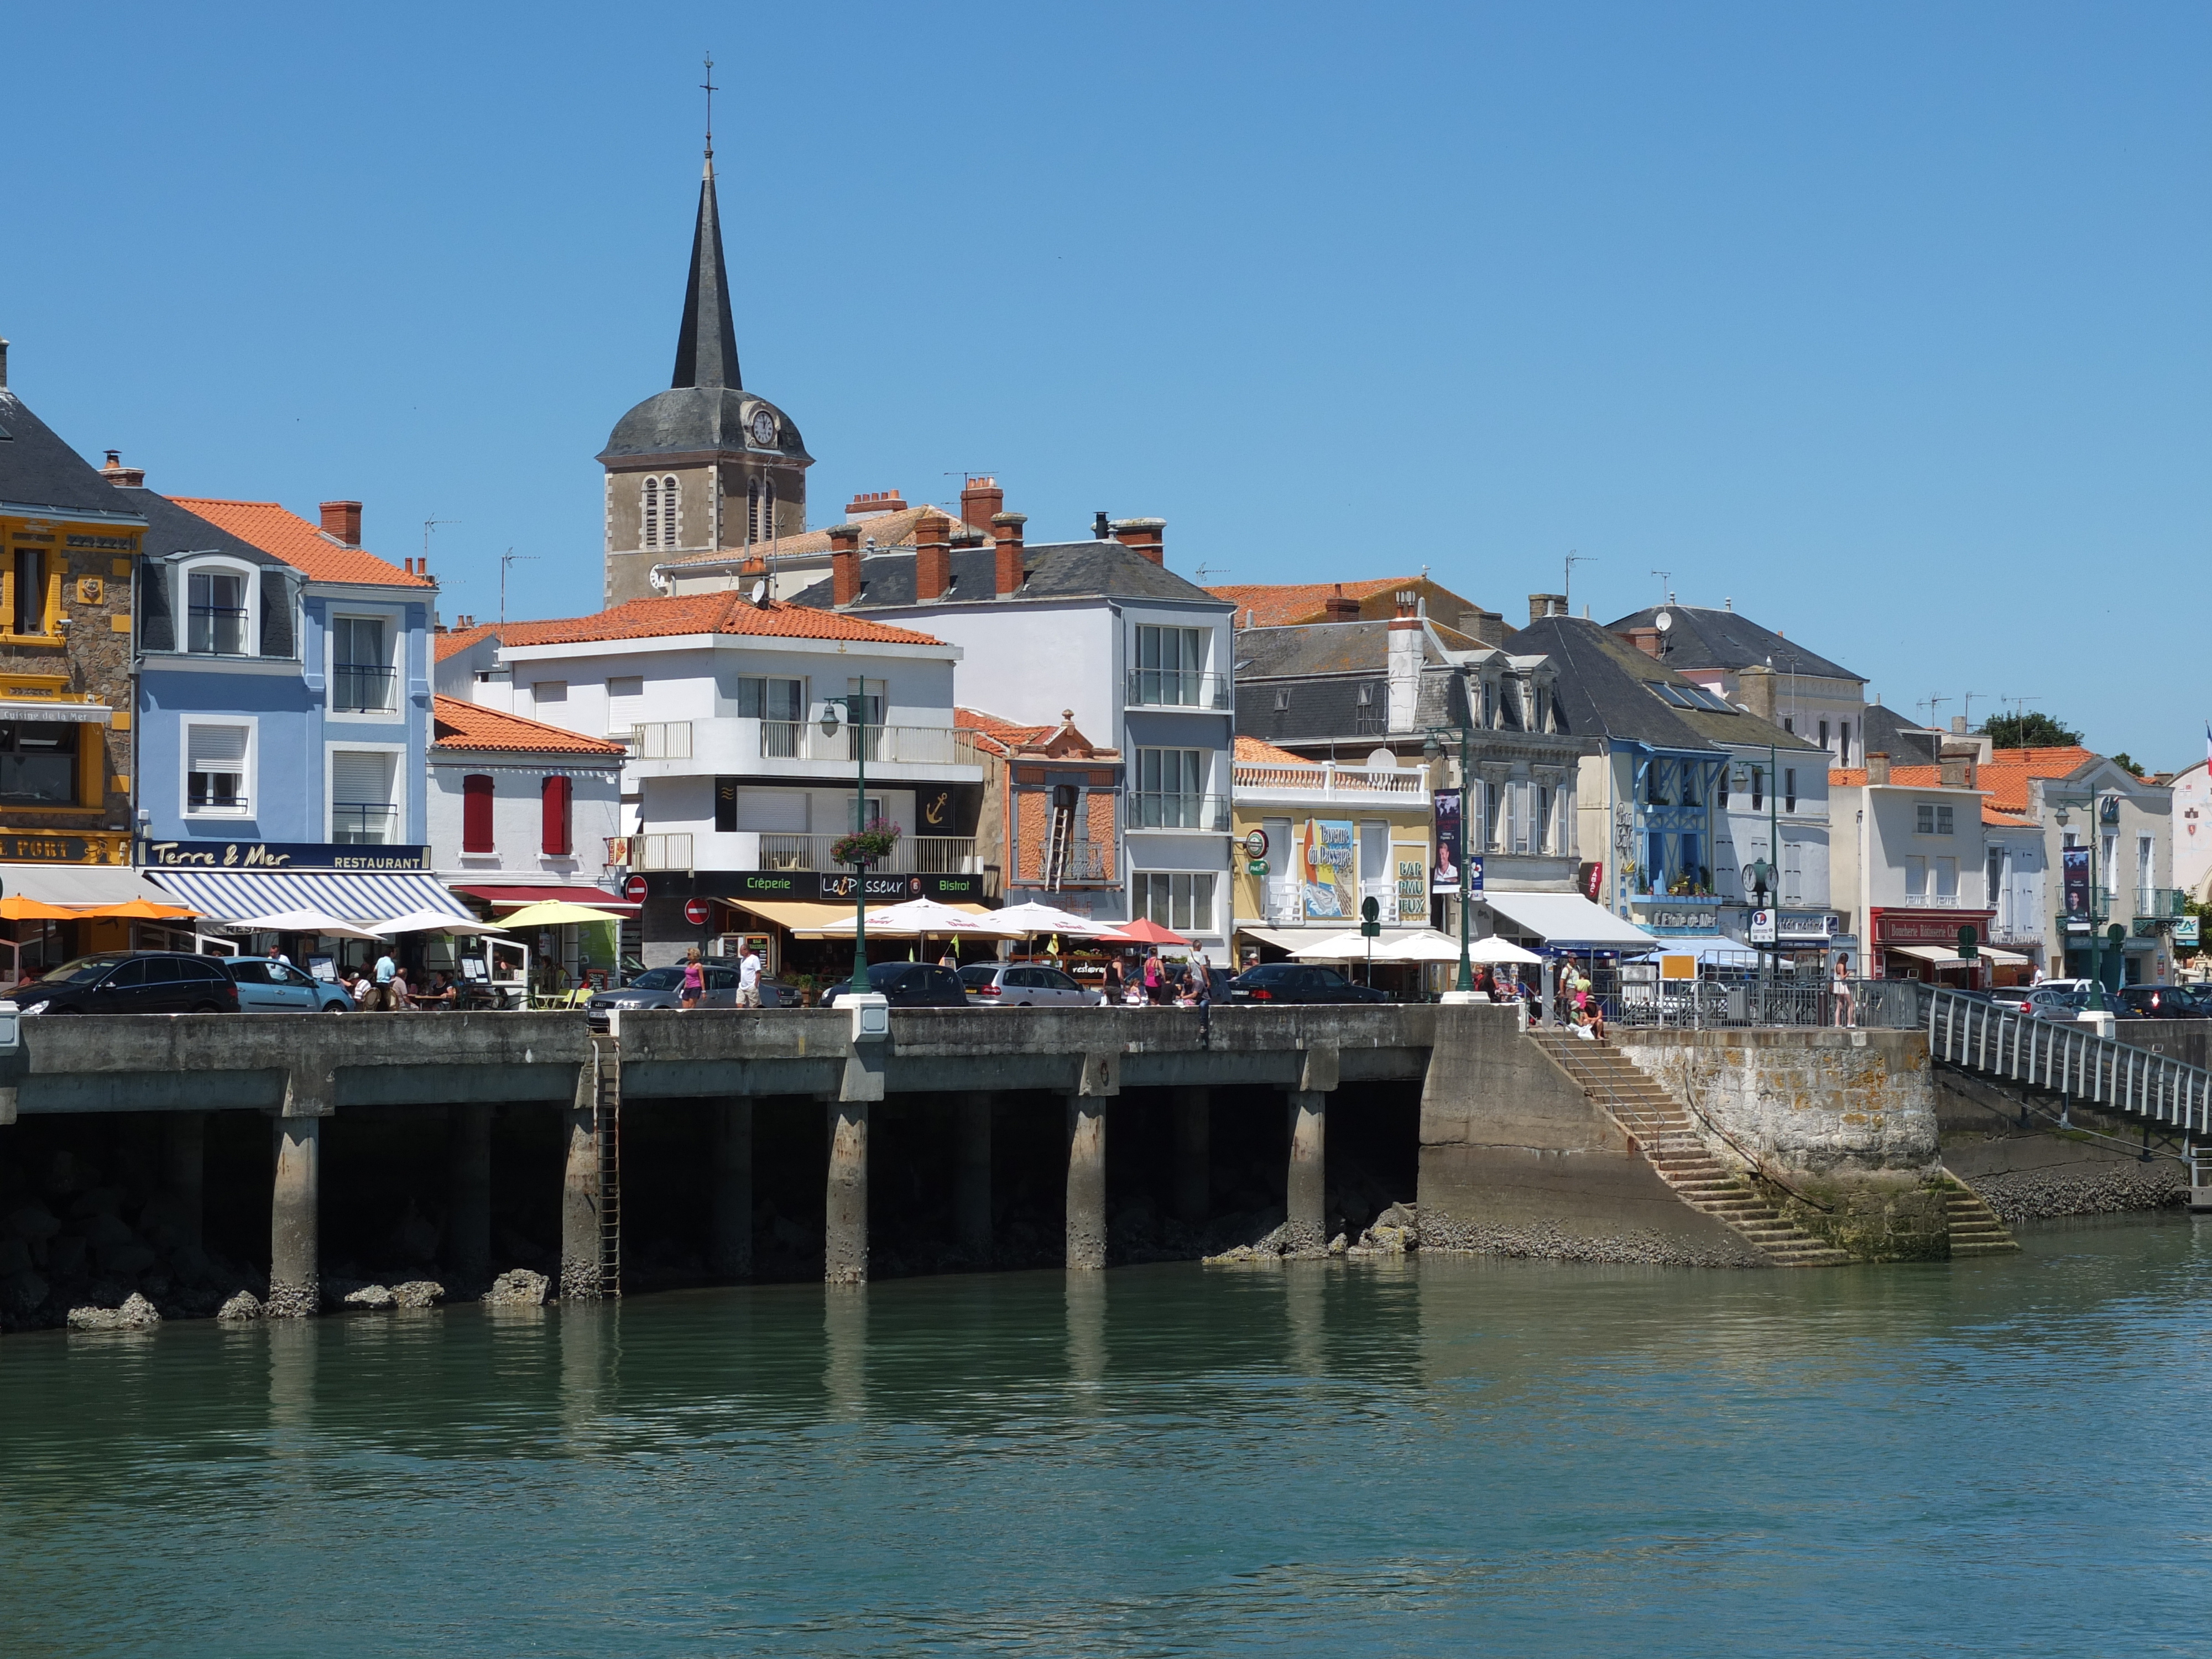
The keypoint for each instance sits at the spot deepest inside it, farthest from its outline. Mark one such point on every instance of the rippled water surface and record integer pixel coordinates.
(1448, 1456)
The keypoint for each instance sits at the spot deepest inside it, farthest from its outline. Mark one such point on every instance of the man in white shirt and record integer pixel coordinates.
(748, 970)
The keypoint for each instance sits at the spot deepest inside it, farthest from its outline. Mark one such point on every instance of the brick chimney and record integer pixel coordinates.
(1482, 627)
(342, 521)
(1338, 607)
(1755, 684)
(1145, 536)
(981, 502)
(124, 478)
(932, 559)
(844, 564)
(1877, 768)
(873, 505)
(1645, 639)
(1541, 605)
(1006, 564)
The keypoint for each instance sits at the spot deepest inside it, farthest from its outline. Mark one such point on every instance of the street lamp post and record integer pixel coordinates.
(1431, 751)
(856, 717)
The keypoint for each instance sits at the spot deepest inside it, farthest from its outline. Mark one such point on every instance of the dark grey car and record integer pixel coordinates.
(663, 987)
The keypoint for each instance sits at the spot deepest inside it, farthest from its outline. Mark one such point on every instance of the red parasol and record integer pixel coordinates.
(1144, 931)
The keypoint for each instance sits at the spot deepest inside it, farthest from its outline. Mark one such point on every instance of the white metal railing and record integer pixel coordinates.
(662, 852)
(913, 746)
(662, 740)
(1931, 900)
(913, 855)
(1327, 778)
(1284, 900)
(2067, 1059)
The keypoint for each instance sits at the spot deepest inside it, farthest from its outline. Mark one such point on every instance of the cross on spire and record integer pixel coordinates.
(708, 85)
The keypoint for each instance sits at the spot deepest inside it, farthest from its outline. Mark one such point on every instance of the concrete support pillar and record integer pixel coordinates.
(1308, 1174)
(295, 1241)
(971, 1194)
(730, 1247)
(845, 1219)
(468, 1195)
(183, 1174)
(580, 1192)
(1194, 1121)
(1086, 1181)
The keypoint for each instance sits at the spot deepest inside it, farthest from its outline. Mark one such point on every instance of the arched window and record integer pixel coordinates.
(662, 516)
(476, 814)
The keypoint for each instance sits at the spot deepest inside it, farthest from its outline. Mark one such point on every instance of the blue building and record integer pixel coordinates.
(283, 714)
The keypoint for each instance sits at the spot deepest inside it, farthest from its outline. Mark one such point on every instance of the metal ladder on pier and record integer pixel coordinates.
(607, 1128)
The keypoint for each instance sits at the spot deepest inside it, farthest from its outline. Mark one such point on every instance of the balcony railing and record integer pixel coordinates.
(359, 690)
(912, 745)
(1179, 688)
(1327, 778)
(1931, 900)
(914, 855)
(662, 740)
(1150, 811)
(217, 630)
(363, 822)
(661, 852)
(2162, 903)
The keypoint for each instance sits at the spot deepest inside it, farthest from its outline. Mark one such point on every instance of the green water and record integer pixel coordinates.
(1442, 1457)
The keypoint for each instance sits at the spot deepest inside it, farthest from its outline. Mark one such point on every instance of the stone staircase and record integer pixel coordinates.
(1974, 1227)
(1659, 1127)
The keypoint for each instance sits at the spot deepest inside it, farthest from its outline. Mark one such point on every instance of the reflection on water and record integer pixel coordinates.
(1441, 1454)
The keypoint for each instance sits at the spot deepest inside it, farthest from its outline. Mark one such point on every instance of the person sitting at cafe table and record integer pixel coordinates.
(441, 996)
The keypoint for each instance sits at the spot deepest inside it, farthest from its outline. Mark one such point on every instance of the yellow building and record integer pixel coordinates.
(1312, 839)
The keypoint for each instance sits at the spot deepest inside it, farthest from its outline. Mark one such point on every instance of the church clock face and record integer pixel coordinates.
(763, 428)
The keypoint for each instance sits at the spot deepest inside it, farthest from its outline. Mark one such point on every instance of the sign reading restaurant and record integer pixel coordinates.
(278, 855)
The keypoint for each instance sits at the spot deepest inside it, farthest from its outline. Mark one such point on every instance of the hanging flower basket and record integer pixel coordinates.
(864, 846)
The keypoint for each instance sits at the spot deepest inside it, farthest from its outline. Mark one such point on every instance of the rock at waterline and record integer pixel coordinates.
(418, 1293)
(518, 1288)
(371, 1296)
(136, 1314)
(240, 1309)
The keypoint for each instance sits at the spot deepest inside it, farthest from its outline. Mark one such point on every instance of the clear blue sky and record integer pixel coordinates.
(1887, 321)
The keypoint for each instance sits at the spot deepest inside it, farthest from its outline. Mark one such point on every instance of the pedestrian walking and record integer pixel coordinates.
(1846, 1012)
(379, 995)
(695, 981)
(1155, 980)
(748, 973)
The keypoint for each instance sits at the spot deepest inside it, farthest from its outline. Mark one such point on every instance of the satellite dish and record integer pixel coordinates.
(1382, 760)
(760, 595)
(1663, 621)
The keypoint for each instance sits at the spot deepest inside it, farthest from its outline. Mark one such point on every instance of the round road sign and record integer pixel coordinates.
(634, 889)
(695, 912)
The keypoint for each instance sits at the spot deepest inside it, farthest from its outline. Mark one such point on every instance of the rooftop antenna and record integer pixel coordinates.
(429, 524)
(1971, 696)
(1931, 704)
(1567, 581)
(507, 559)
(1665, 576)
(708, 85)
(1199, 576)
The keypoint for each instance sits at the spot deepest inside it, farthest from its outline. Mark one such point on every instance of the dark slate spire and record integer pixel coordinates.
(707, 349)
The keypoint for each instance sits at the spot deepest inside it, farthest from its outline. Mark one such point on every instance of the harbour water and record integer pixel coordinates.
(1441, 1456)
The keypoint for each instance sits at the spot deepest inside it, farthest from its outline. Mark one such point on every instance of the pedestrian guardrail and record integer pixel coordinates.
(2071, 1060)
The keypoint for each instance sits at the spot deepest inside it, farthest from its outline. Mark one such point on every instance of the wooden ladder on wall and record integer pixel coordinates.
(607, 1127)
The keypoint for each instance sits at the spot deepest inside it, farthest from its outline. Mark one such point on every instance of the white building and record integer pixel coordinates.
(1910, 868)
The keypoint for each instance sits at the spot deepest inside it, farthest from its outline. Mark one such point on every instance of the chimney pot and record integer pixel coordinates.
(1482, 627)
(125, 477)
(932, 559)
(1006, 555)
(1878, 768)
(1143, 536)
(3, 363)
(1408, 615)
(1338, 607)
(1099, 532)
(342, 520)
(1541, 605)
(874, 503)
(981, 502)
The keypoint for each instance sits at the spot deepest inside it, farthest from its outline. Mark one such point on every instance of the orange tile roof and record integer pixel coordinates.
(2014, 820)
(1257, 749)
(460, 640)
(1000, 737)
(1282, 605)
(725, 612)
(460, 725)
(280, 531)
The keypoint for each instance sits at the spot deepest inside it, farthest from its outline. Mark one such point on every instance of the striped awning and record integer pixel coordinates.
(351, 895)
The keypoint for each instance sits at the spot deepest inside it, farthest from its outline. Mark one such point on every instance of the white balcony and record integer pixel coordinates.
(796, 748)
(1329, 784)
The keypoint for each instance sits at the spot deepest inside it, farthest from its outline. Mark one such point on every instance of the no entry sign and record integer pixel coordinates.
(634, 889)
(695, 912)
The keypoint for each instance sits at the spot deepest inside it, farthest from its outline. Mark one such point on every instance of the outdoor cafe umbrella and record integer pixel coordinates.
(922, 917)
(16, 907)
(301, 922)
(1144, 931)
(436, 922)
(1494, 950)
(555, 913)
(1033, 918)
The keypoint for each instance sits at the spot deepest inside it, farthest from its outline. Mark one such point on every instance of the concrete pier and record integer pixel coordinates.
(845, 1218)
(468, 1195)
(294, 1243)
(580, 1192)
(1308, 1174)
(971, 1196)
(1086, 1181)
(184, 1175)
(730, 1244)
(1194, 1174)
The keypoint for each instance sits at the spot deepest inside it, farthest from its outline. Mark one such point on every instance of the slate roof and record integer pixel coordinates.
(300, 544)
(1350, 647)
(1729, 639)
(1884, 732)
(708, 613)
(38, 472)
(457, 725)
(171, 528)
(1601, 691)
(1053, 570)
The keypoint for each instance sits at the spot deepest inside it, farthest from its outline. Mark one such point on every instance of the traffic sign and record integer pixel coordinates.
(634, 889)
(1968, 939)
(1763, 928)
(695, 911)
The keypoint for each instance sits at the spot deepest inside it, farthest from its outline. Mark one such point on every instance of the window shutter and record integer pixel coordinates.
(157, 621)
(476, 814)
(277, 634)
(216, 749)
(360, 777)
(553, 796)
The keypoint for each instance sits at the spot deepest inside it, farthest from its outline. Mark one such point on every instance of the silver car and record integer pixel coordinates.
(663, 987)
(1025, 985)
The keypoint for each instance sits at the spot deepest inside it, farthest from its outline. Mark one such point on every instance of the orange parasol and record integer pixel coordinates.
(16, 907)
(140, 910)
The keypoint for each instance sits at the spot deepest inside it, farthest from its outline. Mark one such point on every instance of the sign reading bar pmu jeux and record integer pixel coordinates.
(278, 855)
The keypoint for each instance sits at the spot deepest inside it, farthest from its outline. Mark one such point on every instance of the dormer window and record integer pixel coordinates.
(219, 613)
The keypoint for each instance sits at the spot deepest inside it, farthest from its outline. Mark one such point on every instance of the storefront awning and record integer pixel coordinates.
(1288, 938)
(78, 884)
(357, 896)
(1570, 920)
(1945, 955)
(513, 898)
(797, 915)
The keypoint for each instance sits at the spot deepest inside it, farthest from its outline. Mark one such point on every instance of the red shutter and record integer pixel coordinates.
(476, 814)
(553, 795)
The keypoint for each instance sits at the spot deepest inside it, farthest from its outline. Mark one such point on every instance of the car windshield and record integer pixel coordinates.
(888, 973)
(1268, 970)
(82, 971)
(658, 979)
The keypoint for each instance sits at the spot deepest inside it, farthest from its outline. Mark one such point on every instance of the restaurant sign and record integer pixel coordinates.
(1939, 927)
(64, 847)
(810, 886)
(280, 855)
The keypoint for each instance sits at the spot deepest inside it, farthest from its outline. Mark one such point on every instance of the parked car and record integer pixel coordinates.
(663, 987)
(1298, 981)
(908, 985)
(266, 985)
(2013, 998)
(2159, 1002)
(1025, 985)
(2051, 1002)
(131, 982)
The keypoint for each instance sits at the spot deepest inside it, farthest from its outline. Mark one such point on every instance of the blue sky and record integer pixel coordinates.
(1888, 322)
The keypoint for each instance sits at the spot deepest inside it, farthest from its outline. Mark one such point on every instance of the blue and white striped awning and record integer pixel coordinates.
(349, 895)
